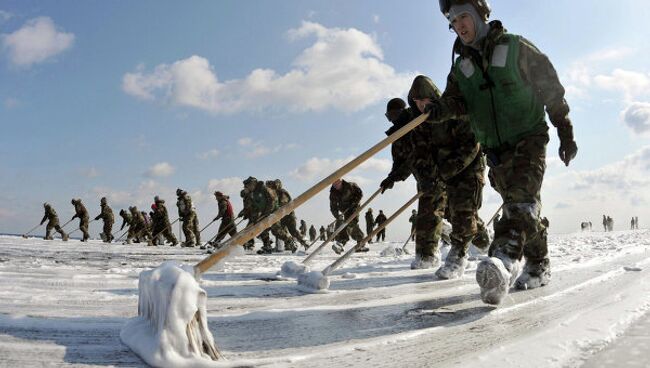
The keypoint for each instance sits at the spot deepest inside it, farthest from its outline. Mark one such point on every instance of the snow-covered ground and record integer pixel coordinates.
(65, 304)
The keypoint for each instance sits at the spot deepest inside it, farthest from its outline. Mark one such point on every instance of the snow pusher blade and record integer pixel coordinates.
(171, 327)
(292, 269)
(319, 281)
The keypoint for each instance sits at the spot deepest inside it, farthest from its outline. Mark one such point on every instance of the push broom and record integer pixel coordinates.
(171, 327)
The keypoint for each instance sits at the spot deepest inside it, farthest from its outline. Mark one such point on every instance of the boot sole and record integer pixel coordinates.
(491, 276)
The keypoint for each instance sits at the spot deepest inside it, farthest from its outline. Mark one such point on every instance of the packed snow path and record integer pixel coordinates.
(65, 303)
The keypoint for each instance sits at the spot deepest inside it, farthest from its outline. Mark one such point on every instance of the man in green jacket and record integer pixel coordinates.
(504, 85)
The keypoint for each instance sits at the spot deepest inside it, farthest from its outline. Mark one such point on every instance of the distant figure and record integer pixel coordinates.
(53, 223)
(636, 222)
(312, 233)
(632, 224)
(323, 234)
(584, 226)
(82, 214)
(610, 224)
(413, 220)
(107, 216)
(370, 222)
(381, 218)
(605, 223)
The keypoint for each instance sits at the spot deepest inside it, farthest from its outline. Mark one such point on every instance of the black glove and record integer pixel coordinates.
(434, 109)
(568, 147)
(215, 219)
(386, 184)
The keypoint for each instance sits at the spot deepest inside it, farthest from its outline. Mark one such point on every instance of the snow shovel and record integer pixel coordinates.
(77, 229)
(165, 228)
(226, 229)
(404, 250)
(171, 328)
(318, 280)
(30, 231)
(292, 269)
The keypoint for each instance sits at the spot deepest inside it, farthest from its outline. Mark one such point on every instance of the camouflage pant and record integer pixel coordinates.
(196, 228)
(227, 227)
(53, 224)
(281, 233)
(464, 198)
(518, 179)
(352, 230)
(188, 229)
(163, 229)
(428, 225)
(83, 227)
(289, 223)
(108, 231)
(369, 228)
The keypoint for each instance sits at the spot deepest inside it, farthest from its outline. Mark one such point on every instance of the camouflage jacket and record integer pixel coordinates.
(312, 232)
(126, 219)
(50, 214)
(137, 219)
(535, 68)
(184, 204)
(261, 201)
(431, 150)
(80, 211)
(160, 214)
(106, 215)
(345, 200)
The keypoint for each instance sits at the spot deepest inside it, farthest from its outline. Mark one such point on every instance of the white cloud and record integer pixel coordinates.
(622, 179)
(637, 117)
(5, 16)
(321, 167)
(37, 41)
(160, 169)
(343, 69)
(10, 103)
(229, 186)
(90, 173)
(209, 154)
(255, 149)
(631, 84)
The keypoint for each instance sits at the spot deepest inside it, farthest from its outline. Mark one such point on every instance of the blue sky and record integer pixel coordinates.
(134, 99)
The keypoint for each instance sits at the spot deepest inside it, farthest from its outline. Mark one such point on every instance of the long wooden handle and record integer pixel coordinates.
(341, 227)
(336, 264)
(276, 216)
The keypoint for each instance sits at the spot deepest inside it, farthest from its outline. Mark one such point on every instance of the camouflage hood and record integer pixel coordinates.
(422, 87)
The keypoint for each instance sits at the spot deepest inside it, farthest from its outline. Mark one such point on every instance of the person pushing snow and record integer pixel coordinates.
(503, 83)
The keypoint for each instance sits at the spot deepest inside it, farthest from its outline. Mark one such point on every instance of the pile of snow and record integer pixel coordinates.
(170, 299)
(313, 281)
(293, 269)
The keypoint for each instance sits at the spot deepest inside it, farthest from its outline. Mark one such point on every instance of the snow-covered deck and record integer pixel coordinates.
(65, 303)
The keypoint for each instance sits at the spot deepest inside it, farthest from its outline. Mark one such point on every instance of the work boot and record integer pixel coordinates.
(338, 248)
(454, 266)
(359, 248)
(265, 250)
(425, 262)
(482, 241)
(187, 244)
(495, 275)
(66, 237)
(534, 275)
